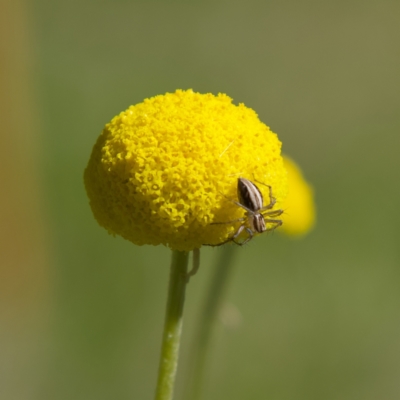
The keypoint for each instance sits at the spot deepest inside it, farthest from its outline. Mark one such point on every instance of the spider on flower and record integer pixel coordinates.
(257, 215)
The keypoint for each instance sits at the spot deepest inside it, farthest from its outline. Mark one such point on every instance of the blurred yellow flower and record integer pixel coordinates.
(299, 207)
(162, 170)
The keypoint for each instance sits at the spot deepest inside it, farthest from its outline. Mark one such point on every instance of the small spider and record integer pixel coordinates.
(257, 215)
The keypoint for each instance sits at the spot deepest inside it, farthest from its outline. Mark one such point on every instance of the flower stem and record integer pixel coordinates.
(172, 326)
(214, 298)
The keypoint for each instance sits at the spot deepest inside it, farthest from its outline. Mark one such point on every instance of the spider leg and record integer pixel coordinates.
(251, 235)
(239, 231)
(238, 204)
(228, 222)
(218, 244)
(276, 222)
(230, 239)
(274, 213)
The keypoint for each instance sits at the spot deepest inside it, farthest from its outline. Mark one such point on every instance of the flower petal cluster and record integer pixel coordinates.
(299, 206)
(164, 170)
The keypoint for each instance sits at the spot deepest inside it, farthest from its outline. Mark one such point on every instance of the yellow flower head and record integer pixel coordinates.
(299, 207)
(163, 170)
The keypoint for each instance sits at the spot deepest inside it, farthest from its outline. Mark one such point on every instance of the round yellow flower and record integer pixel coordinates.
(299, 207)
(163, 170)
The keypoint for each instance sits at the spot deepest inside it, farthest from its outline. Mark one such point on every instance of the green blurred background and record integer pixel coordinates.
(82, 312)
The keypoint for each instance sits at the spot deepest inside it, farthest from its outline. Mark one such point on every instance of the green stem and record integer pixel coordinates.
(207, 319)
(172, 327)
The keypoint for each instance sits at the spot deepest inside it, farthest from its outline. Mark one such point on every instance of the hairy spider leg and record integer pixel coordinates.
(272, 199)
(238, 232)
(235, 220)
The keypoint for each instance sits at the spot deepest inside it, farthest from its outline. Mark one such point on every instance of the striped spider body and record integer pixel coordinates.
(257, 215)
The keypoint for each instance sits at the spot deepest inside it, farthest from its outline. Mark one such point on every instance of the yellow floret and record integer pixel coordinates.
(299, 207)
(162, 170)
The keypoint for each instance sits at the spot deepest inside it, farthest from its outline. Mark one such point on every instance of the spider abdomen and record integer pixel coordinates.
(249, 195)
